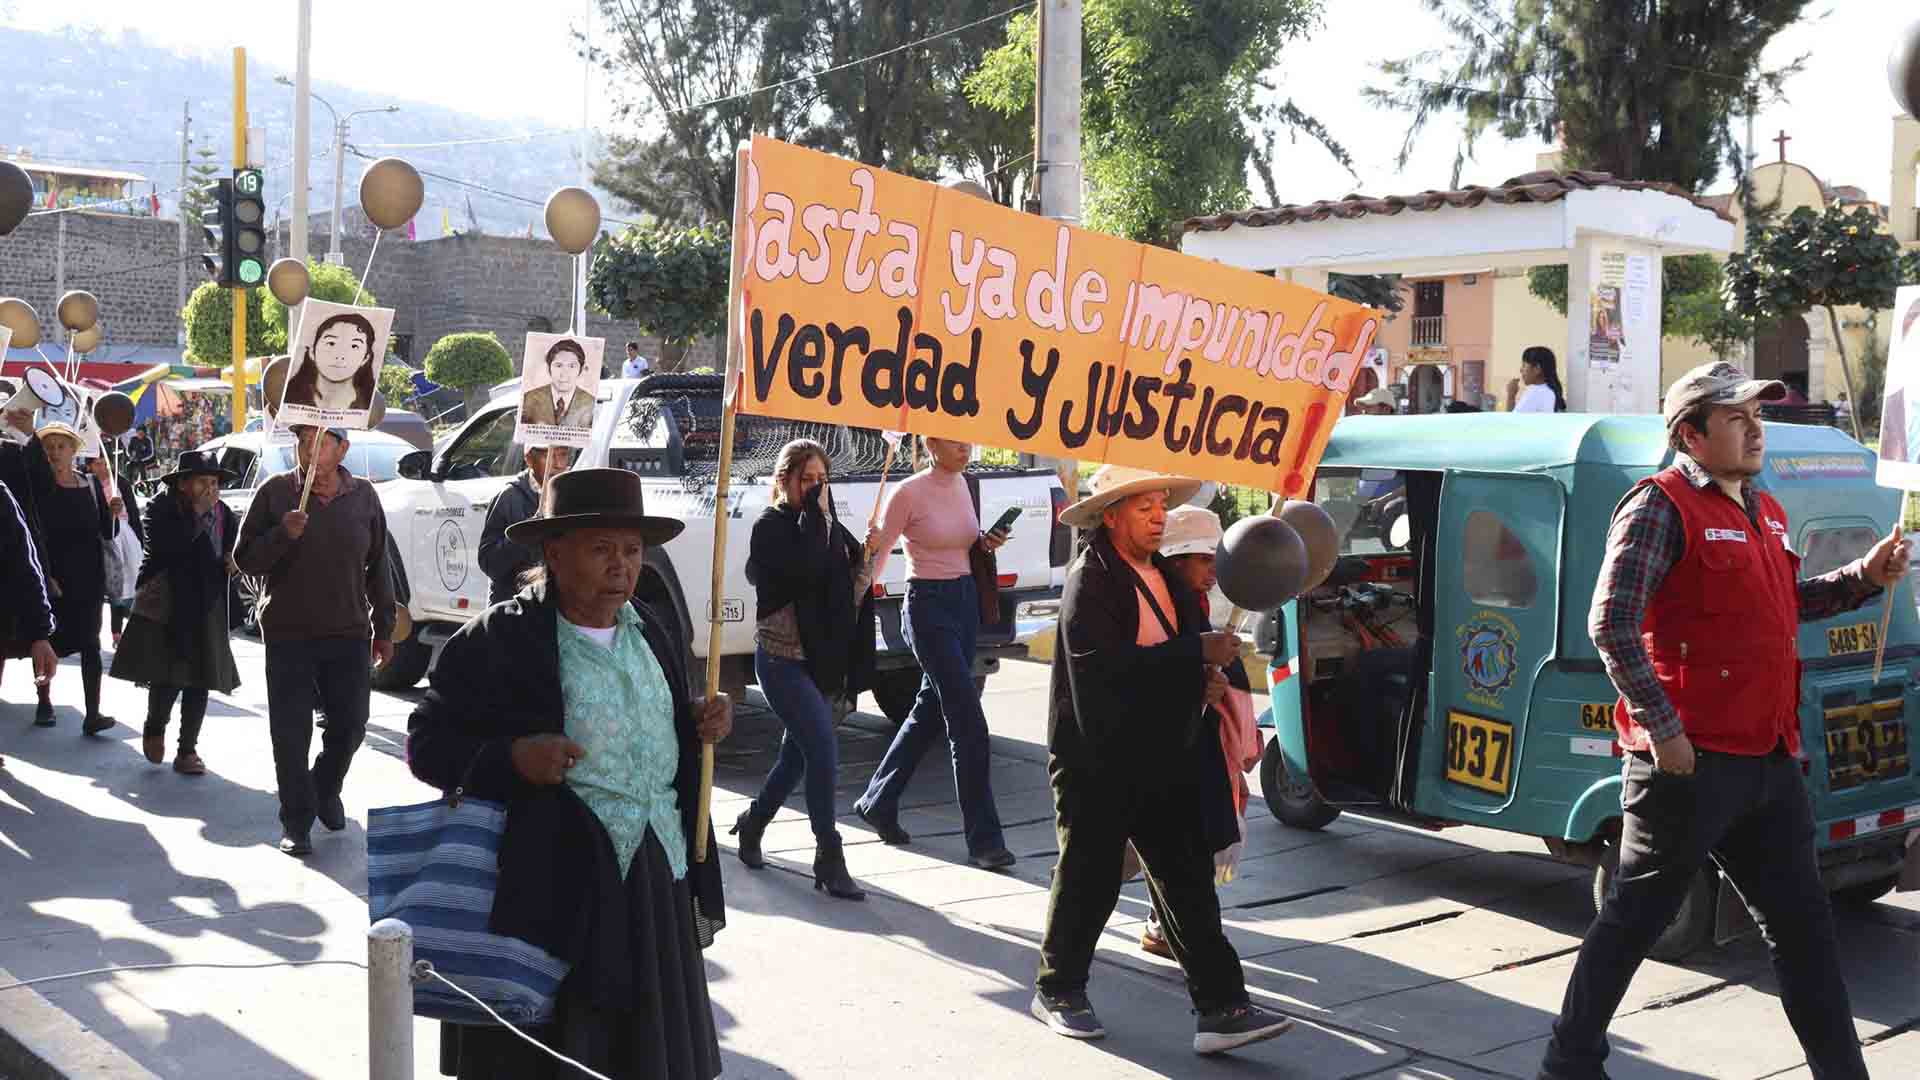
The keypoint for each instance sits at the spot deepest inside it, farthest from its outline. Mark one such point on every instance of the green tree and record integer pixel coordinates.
(209, 322)
(672, 280)
(1640, 90)
(194, 201)
(325, 281)
(469, 362)
(1831, 259)
(1172, 112)
(396, 385)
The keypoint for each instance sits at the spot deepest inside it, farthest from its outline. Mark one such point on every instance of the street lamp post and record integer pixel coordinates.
(340, 123)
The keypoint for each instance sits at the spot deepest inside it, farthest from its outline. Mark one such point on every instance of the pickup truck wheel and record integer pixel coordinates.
(1866, 892)
(403, 672)
(1295, 802)
(1691, 927)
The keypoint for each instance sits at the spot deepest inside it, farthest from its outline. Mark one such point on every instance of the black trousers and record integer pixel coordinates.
(193, 710)
(1095, 816)
(335, 673)
(1750, 815)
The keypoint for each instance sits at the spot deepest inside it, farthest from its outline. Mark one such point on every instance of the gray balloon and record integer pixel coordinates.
(1262, 563)
(1903, 68)
(16, 196)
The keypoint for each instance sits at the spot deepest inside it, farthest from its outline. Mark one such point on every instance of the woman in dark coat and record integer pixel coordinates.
(77, 518)
(814, 644)
(571, 705)
(176, 640)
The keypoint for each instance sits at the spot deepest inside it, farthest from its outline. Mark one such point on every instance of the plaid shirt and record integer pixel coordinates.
(1643, 544)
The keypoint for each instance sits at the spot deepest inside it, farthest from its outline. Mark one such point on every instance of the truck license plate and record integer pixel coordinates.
(1479, 752)
(1865, 743)
(1861, 637)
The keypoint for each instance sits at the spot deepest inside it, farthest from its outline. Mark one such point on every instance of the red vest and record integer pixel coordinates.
(1722, 630)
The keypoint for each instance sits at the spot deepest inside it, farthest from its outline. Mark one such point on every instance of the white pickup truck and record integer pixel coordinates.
(666, 428)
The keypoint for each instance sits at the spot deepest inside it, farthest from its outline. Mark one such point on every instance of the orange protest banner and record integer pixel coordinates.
(876, 300)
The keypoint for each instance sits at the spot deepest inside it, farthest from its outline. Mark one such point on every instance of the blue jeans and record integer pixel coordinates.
(940, 621)
(807, 749)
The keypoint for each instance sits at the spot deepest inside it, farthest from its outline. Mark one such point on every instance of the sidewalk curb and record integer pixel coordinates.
(39, 1041)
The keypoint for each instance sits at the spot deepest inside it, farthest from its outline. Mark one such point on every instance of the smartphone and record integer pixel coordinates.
(1005, 524)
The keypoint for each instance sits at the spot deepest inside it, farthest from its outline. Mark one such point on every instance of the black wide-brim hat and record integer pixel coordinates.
(197, 463)
(595, 499)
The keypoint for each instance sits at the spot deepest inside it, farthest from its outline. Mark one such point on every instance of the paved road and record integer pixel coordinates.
(1405, 954)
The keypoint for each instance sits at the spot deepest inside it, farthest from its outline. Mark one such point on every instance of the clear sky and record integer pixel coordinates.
(518, 63)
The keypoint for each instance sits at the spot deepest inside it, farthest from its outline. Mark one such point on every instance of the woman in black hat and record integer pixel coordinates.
(571, 705)
(176, 640)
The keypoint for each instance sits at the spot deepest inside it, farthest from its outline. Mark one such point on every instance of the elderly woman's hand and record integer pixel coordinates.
(716, 717)
(545, 759)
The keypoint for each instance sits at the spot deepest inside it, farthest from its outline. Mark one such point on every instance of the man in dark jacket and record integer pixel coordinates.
(1132, 757)
(28, 616)
(502, 560)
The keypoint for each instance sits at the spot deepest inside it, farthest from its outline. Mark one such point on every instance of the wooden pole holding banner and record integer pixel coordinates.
(730, 391)
(1886, 604)
(881, 495)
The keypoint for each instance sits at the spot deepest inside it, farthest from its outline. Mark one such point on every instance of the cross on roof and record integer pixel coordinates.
(1782, 140)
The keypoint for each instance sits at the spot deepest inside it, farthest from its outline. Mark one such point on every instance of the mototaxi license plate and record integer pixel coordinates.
(1858, 638)
(1480, 752)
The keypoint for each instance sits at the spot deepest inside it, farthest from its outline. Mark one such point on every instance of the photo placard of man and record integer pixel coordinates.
(325, 609)
(1133, 756)
(1899, 416)
(1696, 616)
(560, 380)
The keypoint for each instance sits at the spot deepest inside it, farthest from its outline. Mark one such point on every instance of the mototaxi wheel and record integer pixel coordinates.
(1293, 801)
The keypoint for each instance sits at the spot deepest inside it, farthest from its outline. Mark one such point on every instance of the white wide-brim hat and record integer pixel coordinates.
(1191, 530)
(1116, 482)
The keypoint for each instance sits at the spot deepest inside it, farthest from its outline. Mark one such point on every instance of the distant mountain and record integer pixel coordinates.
(86, 97)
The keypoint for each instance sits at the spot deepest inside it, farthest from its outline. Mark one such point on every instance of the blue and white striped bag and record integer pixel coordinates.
(434, 867)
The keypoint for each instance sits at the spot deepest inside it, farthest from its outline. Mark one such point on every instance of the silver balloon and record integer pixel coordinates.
(573, 219)
(287, 280)
(16, 196)
(1262, 563)
(1317, 531)
(1903, 68)
(391, 192)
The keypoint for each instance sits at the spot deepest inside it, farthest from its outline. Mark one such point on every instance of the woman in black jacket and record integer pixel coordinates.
(571, 706)
(176, 640)
(814, 643)
(76, 517)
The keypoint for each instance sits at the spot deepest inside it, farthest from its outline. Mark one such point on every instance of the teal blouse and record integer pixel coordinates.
(620, 709)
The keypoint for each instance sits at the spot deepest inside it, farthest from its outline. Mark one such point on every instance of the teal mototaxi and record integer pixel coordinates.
(1443, 674)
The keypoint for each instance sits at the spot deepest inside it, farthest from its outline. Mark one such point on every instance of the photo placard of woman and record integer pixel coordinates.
(814, 644)
(336, 365)
(176, 639)
(570, 703)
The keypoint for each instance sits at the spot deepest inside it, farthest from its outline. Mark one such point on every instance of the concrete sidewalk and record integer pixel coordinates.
(1405, 954)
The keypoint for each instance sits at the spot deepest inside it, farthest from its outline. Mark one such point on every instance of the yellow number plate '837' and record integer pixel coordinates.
(1479, 752)
(1861, 637)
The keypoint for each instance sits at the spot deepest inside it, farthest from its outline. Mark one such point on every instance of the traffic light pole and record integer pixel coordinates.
(239, 352)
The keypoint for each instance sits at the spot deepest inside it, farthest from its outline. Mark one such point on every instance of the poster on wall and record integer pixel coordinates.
(1899, 412)
(1607, 323)
(559, 383)
(337, 354)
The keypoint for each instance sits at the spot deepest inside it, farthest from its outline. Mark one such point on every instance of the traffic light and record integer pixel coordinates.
(247, 265)
(217, 224)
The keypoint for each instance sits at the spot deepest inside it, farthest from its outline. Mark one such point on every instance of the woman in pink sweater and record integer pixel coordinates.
(940, 620)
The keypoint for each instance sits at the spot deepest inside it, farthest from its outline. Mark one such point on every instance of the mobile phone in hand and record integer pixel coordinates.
(1005, 524)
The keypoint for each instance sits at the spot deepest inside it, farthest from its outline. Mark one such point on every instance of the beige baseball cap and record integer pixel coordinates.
(1717, 383)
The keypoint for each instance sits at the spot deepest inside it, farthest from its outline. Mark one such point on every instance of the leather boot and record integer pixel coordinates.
(830, 873)
(748, 827)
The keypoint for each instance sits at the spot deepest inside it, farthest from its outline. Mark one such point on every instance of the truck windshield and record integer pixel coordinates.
(651, 421)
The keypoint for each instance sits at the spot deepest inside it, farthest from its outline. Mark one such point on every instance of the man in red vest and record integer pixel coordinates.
(1696, 614)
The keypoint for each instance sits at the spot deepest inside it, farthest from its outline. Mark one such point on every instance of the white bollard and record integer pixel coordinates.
(390, 1000)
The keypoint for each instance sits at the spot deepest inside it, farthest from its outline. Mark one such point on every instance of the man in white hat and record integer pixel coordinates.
(1133, 757)
(1378, 401)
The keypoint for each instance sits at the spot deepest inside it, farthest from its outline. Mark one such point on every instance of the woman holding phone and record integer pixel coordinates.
(941, 620)
(813, 644)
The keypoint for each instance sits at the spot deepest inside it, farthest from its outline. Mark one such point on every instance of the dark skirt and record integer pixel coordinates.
(76, 559)
(148, 654)
(668, 1035)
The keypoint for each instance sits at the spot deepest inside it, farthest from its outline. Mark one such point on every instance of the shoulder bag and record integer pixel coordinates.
(435, 866)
